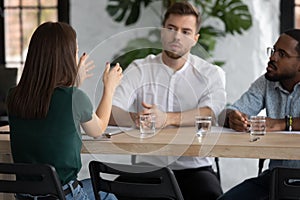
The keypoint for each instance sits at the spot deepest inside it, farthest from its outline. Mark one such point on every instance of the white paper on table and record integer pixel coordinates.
(110, 131)
(229, 130)
(287, 132)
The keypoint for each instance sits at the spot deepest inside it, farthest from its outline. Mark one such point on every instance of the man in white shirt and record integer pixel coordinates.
(175, 86)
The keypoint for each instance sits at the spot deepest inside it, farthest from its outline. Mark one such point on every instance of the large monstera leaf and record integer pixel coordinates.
(234, 14)
(128, 10)
(208, 35)
(139, 48)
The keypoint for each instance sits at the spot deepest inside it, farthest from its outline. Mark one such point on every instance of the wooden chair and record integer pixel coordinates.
(285, 184)
(34, 179)
(137, 182)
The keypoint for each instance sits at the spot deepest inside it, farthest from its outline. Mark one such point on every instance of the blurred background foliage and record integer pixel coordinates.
(231, 16)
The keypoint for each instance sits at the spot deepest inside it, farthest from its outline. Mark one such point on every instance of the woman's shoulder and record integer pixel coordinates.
(69, 90)
(73, 92)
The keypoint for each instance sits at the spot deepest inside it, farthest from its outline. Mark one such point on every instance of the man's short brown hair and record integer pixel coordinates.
(183, 8)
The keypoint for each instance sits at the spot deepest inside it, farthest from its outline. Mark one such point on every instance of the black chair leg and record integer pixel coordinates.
(260, 165)
(218, 168)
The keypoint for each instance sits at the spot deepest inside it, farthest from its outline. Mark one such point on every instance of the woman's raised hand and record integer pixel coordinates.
(84, 68)
(112, 76)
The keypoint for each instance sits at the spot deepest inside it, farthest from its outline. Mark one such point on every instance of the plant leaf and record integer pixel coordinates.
(134, 14)
(126, 10)
(234, 14)
(208, 37)
(139, 48)
(128, 57)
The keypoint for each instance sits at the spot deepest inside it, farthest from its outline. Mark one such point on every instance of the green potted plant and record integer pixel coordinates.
(232, 14)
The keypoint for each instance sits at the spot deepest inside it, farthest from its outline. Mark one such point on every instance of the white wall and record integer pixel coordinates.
(245, 57)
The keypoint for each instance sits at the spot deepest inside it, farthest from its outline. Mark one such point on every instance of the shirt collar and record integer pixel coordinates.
(181, 70)
(185, 66)
(277, 85)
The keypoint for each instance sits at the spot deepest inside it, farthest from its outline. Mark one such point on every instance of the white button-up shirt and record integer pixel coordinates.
(197, 84)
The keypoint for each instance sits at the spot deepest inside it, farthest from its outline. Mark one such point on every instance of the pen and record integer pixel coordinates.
(254, 139)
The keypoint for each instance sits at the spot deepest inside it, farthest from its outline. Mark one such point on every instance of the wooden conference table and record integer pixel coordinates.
(183, 142)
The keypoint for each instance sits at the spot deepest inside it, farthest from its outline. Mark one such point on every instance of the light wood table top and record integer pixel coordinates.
(4, 140)
(183, 142)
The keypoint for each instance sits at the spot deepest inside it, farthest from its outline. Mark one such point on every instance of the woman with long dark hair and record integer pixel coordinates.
(46, 109)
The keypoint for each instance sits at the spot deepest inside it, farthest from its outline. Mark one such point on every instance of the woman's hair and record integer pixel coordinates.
(183, 8)
(50, 63)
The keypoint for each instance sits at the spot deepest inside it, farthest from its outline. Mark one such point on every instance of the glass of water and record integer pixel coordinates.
(203, 124)
(257, 125)
(147, 125)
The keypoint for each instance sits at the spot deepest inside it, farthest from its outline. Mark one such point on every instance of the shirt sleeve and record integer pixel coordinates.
(252, 101)
(125, 96)
(82, 106)
(215, 97)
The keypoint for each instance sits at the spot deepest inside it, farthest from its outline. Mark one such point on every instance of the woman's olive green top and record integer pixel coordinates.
(55, 140)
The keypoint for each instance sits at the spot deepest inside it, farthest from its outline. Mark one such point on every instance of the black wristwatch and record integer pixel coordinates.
(288, 123)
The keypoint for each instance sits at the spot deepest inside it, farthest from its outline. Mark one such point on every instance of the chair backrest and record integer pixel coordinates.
(260, 165)
(285, 184)
(136, 182)
(217, 171)
(34, 179)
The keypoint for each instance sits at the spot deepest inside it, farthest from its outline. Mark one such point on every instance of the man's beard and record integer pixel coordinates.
(173, 55)
(268, 75)
(278, 77)
(271, 78)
